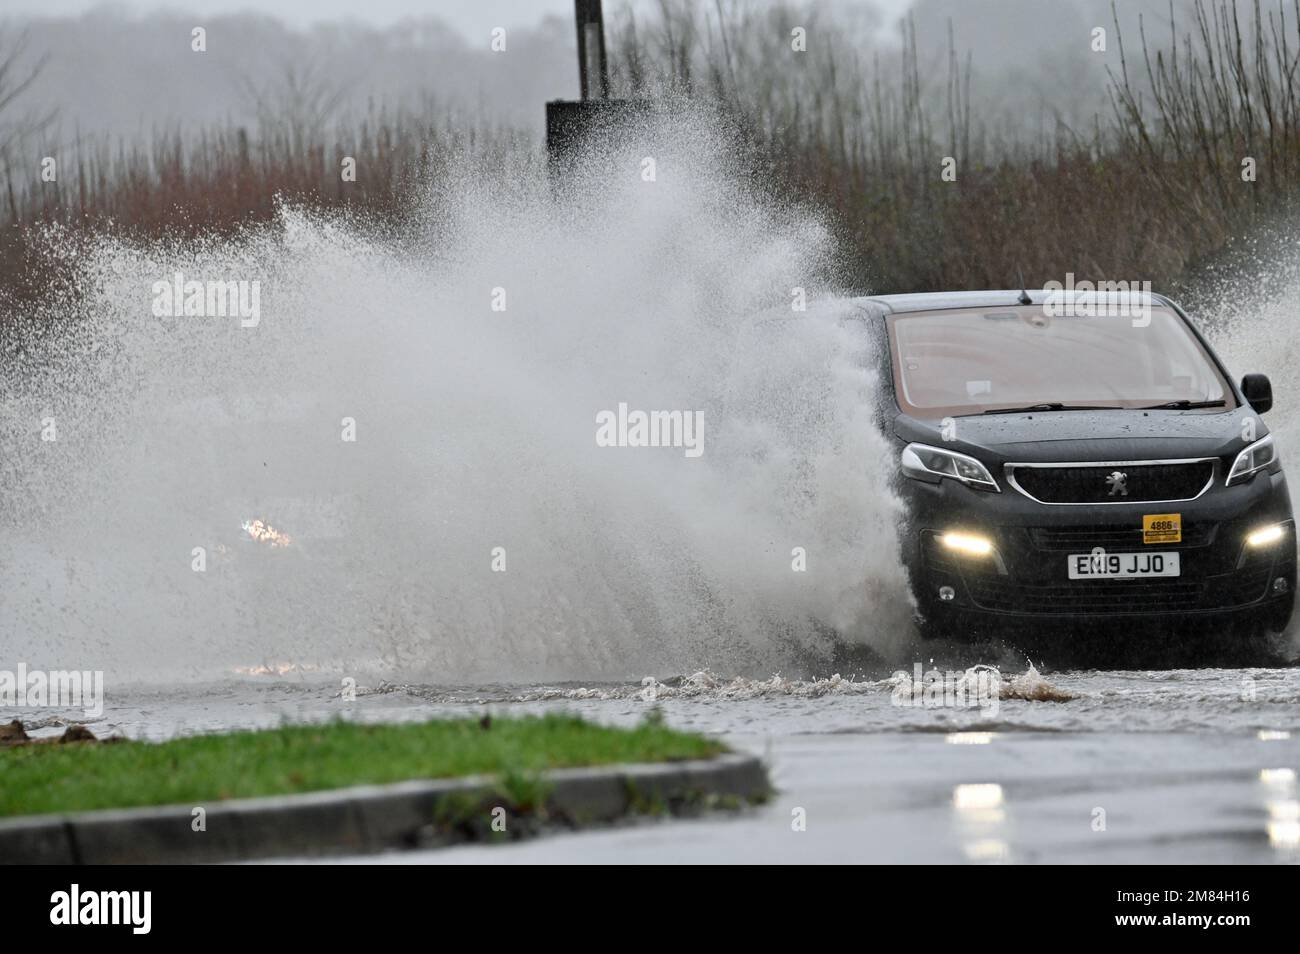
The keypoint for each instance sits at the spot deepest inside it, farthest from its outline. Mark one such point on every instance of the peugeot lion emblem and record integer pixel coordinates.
(1118, 483)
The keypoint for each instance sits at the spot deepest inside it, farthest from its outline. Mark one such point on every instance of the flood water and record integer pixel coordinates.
(1087, 766)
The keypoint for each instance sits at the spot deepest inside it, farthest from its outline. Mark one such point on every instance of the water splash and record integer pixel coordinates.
(472, 529)
(1247, 307)
(1032, 686)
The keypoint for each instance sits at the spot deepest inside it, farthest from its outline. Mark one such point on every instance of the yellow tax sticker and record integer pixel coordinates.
(1162, 528)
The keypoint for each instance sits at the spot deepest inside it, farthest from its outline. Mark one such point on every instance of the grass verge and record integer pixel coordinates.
(38, 779)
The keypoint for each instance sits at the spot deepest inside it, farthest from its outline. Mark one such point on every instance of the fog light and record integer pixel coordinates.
(947, 594)
(967, 543)
(1280, 585)
(1265, 535)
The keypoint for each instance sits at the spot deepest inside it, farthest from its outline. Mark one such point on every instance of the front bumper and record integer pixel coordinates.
(1026, 577)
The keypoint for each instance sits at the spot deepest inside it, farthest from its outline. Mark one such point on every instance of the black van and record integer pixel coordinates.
(1075, 458)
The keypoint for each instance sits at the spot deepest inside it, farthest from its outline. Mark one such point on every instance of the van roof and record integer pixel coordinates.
(942, 301)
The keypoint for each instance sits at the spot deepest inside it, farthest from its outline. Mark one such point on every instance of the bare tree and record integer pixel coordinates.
(17, 74)
(16, 77)
(299, 105)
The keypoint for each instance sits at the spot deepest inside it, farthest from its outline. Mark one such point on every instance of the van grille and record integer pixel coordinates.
(1137, 483)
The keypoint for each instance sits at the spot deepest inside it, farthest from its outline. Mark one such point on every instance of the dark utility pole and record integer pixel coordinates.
(593, 73)
(571, 123)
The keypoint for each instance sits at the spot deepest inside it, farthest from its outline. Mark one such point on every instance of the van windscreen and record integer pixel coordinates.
(969, 361)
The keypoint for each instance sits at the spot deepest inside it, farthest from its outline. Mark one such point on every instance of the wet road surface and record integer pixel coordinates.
(1182, 766)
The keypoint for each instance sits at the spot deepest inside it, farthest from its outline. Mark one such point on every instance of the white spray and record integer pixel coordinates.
(417, 417)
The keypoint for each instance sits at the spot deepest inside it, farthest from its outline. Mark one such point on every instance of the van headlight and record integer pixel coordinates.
(923, 462)
(1266, 536)
(1254, 458)
(968, 543)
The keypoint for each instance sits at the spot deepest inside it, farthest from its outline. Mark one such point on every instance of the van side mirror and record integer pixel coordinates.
(1258, 392)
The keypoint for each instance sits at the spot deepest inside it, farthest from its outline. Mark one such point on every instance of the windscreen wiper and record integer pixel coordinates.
(1048, 406)
(1181, 405)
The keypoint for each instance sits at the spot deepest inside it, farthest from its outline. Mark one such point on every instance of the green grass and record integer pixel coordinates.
(37, 779)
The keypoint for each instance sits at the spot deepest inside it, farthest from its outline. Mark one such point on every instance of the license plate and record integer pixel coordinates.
(1119, 566)
(1162, 528)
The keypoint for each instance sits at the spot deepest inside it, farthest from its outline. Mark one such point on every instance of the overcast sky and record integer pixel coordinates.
(474, 18)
